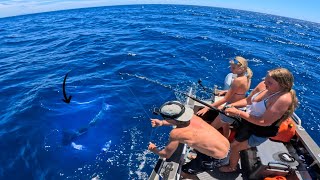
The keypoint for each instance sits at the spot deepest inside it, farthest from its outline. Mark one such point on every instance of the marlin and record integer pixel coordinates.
(69, 136)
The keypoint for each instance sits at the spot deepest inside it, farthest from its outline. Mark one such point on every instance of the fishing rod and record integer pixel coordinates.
(205, 88)
(177, 91)
(199, 101)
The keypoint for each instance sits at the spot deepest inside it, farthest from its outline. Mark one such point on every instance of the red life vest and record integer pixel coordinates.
(275, 178)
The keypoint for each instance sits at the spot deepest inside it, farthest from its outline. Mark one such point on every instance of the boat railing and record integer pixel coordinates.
(296, 119)
(170, 169)
(310, 145)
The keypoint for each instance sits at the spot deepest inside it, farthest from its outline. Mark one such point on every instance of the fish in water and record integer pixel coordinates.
(69, 136)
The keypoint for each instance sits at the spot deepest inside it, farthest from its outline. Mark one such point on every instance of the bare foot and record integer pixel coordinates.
(188, 176)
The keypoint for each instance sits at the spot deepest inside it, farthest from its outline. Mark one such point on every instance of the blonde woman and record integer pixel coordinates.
(265, 112)
(237, 91)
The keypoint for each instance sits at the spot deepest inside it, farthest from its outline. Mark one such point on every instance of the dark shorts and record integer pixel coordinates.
(247, 131)
(243, 132)
(209, 116)
(203, 163)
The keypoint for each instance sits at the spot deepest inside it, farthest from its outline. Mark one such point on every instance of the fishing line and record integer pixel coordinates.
(153, 131)
(138, 101)
(170, 87)
(147, 79)
(180, 92)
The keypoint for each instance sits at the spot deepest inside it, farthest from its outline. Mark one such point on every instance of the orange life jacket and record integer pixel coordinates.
(275, 178)
(287, 130)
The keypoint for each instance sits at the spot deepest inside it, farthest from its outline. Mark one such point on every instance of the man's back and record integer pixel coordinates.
(202, 137)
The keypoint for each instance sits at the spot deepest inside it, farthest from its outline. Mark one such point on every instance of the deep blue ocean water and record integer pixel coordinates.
(174, 45)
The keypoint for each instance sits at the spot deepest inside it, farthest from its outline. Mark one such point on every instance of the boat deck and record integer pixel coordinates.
(261, 161)
(215, 174)
(269, 164)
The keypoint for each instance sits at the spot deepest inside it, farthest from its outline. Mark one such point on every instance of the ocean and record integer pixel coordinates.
(173, 45)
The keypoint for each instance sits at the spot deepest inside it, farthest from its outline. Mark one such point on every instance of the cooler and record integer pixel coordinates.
(267, 160)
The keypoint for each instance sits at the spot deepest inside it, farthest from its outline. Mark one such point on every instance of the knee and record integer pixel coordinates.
(217, 120)
(225, 125)
(239, 146)
(234, 145)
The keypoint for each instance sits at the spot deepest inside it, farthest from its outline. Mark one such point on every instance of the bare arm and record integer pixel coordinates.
(229, 93)
(243, 102)
(167, 151)
(222, 92)
(233, 89)
(157, 122)
(274, 112)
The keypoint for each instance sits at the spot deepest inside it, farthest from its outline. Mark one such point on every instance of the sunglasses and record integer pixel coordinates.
(236, 62)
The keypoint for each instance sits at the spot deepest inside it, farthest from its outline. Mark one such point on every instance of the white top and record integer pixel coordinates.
(258, 108)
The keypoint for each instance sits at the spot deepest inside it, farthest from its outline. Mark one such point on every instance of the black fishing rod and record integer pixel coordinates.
(200, 83)
(199, 101)
(204, 88)
(177, 91)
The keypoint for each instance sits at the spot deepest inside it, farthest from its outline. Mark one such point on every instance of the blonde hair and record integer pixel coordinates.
(244, 65)
(249, 73)
(285, 79)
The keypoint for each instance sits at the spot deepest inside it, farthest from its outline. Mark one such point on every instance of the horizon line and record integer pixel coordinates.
(134, 4)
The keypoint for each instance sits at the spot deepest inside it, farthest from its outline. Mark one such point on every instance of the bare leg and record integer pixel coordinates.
(226, 130)
(236, 147)
(217, 123)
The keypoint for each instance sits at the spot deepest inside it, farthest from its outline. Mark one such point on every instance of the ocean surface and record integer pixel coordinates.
(172, 45)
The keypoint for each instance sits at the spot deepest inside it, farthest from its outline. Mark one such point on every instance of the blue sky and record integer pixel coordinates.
(300, 9)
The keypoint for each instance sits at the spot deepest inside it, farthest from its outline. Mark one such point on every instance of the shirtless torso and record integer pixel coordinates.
(202, 137)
